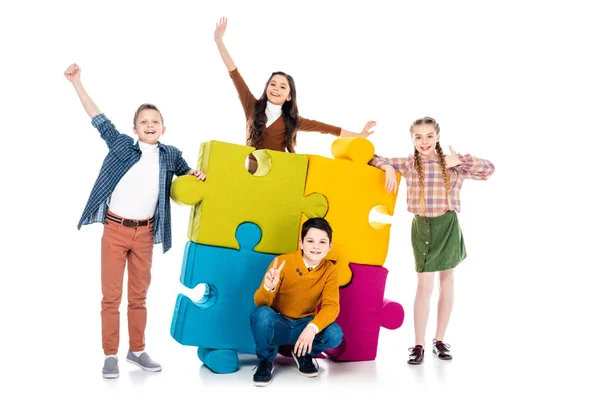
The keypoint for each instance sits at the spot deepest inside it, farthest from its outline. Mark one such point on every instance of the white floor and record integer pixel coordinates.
(515, 333)
(486, 365)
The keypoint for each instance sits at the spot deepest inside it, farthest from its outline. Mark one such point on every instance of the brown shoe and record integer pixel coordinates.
(416, 355)
(442, 350)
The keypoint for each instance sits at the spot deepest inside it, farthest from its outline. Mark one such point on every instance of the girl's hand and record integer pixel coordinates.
(220, 29)
(391, 184)
(366, 132)
(452, 159)
(73, 73)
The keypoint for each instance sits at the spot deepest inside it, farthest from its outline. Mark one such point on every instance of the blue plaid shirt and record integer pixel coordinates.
(122, 154)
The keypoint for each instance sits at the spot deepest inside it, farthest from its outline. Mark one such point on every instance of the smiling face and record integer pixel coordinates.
(315, 246)
(149, 126)
(278, 90)
(424, 137)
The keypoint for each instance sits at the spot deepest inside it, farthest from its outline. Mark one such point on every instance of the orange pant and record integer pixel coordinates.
(120, 245)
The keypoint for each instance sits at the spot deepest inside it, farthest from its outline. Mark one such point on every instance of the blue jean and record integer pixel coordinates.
(271, 329)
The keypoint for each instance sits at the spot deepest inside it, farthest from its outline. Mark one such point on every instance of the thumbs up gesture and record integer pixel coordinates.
(452, 159)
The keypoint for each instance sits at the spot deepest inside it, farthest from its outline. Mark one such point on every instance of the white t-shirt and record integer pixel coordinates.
(136, 194)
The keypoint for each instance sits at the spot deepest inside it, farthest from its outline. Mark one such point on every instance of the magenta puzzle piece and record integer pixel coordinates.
(363, 311)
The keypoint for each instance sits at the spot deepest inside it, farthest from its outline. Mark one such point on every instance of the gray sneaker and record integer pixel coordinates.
(144, 362)
(111, 368)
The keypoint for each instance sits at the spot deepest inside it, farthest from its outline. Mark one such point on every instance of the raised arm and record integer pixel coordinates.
(73, 75)
(309, 125)
(365, 133)
(246, 97)
(219, 32)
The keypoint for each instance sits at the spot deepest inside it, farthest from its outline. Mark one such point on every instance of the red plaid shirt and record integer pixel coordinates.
(436, 202)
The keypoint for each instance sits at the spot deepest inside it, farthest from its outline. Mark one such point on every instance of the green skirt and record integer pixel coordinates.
(437, 242)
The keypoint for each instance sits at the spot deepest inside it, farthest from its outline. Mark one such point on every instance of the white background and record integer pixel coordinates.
(515, 82)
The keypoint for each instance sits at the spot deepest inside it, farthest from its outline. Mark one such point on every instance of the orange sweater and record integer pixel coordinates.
(297, 296)
(274, 135)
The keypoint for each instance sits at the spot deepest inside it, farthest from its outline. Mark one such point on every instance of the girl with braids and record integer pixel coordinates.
(433, 182)
(273, 120)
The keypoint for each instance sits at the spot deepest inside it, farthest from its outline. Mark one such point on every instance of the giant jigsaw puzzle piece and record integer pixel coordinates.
(363, 311)
(219, 324)
(353, 189)
(273, 198)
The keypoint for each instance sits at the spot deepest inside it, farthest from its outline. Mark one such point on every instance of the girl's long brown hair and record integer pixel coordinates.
(289, 113)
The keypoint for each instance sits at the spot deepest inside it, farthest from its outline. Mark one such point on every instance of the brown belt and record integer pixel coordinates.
(131, 223)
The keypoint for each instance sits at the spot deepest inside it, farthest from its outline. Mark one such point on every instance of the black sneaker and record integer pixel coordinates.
(416, 355)
(306, 365)
(263, 374)
(442, 350)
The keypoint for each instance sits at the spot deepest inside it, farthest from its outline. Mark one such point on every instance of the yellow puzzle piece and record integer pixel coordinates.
(352, 188)
(273, 198)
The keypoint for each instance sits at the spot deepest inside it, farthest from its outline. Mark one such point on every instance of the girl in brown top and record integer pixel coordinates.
(273, 120)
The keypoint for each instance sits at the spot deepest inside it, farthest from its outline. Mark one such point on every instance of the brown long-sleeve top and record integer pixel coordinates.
(274, 135)
(299, 291)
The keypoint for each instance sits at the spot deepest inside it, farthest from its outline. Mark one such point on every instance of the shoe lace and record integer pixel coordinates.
(415, 351)
(441, 345)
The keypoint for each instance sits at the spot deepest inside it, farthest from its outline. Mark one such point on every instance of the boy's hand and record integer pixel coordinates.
(220, 29)
(199, 174)
(304, 343)
(272, 275)
(73, 73)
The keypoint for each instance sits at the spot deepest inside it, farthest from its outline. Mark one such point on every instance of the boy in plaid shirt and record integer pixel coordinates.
(131, 198)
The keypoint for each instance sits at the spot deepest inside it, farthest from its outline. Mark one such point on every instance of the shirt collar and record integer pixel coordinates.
(273, 108)
(146, 146)
(308, 266)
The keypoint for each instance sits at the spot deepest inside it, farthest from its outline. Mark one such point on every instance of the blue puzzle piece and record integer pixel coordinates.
(219, 323)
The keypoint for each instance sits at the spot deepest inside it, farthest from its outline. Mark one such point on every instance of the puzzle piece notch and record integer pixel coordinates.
(209, 297)
(219, 323)
(230, 195)
(353, 190)
(363, 311)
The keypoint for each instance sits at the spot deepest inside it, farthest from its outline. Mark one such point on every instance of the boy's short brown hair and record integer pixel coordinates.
(147, 106)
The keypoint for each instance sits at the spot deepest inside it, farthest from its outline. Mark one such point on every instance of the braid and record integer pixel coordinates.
(442, 159)
(419, 169)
